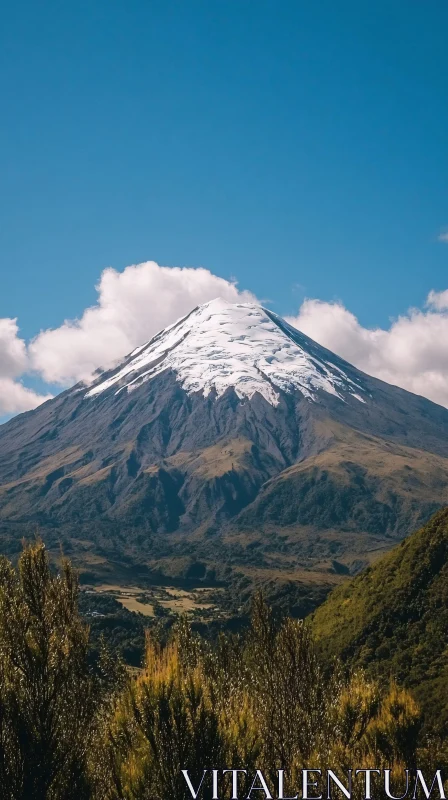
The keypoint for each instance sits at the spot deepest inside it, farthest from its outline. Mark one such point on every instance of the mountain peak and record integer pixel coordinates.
(219, 345)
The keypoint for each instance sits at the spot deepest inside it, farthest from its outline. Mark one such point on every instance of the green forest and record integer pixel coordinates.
(392, 620)
(271, 698)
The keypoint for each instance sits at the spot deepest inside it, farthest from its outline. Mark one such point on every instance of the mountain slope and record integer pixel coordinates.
(232, 438)
(393, 618)
(350, 501)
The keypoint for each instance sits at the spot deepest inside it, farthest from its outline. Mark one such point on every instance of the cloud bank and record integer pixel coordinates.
(14, 397)
(134, 304)
(412, 353)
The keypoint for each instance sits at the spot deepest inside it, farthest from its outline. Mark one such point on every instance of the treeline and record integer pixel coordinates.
(69, 730)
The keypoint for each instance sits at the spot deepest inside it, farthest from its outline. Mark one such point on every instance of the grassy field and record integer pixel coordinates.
(144, 601)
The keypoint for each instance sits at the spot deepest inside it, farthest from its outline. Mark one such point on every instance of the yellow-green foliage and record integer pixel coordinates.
(259, 701)
(264, 700)
(46, 691)
(163, 722)
(392, 620)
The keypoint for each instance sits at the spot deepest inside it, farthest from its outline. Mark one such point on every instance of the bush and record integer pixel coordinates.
(47, 697)
(67, 731)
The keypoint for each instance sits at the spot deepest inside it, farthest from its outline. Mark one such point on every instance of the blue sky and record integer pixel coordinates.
(298, 147)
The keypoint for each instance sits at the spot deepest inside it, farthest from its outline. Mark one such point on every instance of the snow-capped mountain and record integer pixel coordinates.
(243, 346)
(229, 438)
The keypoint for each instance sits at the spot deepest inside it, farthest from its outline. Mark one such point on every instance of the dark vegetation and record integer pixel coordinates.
(124, 631)
(392, 620)
(77, 725)
(109, 622)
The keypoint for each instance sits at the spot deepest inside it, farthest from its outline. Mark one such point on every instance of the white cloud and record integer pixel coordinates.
(14, 397)
(438, 300)
(443, 237)
(132, 306)
(412, 353)
(13, 358)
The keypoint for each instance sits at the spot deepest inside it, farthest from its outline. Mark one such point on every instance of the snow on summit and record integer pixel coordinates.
(244, 346)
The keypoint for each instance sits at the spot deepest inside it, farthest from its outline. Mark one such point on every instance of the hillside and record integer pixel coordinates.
(348, 502)
(392, 619)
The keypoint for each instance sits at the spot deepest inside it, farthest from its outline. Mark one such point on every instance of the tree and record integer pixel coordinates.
(164, 722)
(47, 696)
